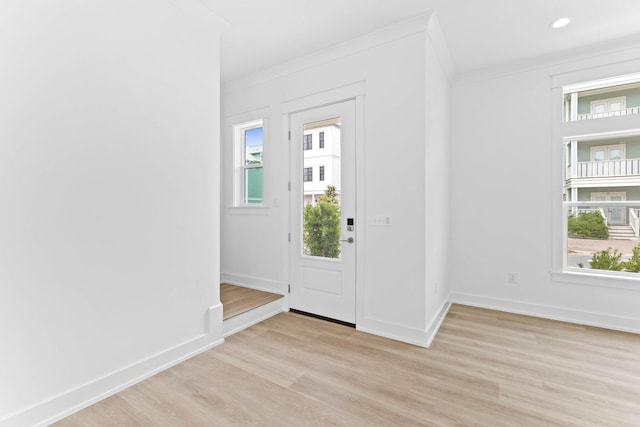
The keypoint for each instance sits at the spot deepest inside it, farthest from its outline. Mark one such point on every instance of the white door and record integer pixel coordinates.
(615, 215)
(323, 211)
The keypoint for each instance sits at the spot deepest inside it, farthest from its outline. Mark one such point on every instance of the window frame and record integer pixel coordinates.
(321, 139)
(309, 175)
(321, 173)
(307, 144)
(607, 102)
(621, 146)
(247, 167)
(239, 127)
(562, 133)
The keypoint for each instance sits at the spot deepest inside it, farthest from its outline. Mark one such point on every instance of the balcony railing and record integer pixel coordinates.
(627, 167)
(625, 112)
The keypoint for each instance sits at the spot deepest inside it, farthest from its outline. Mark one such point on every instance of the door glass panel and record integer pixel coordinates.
(321, 198)
(615, 154)
(615, 106)
(598, 155)
(598, 108)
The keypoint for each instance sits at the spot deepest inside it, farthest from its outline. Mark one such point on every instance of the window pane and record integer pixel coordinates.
(601, 102)
(615, 154)
(307, 174)
(321, 198)
(602, 236)
(308, 142)
(615, 106)
(253, 186)
(253, 146)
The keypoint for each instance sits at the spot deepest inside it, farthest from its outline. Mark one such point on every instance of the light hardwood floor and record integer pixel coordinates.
(484, 368)
(237, 299)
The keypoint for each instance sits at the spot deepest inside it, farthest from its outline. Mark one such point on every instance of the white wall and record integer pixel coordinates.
(394, 66)
(502, 195)
(437, 188)
(109, 184)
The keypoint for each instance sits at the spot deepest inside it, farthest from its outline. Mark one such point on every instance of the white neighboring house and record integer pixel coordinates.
(321, 148)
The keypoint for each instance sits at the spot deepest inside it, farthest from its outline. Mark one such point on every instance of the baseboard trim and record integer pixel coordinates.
(74, 400)
(419, 337)
(436, 322)
(580, 317)
(242, 321)
(256, 283)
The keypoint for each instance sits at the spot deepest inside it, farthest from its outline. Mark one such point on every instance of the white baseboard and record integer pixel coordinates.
(242, 321)
(71, 401)
(253, 283)
(436, 322)
(581, 317)
(419, 337)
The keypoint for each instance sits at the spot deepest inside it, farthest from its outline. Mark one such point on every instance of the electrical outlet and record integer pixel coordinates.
(512, 278)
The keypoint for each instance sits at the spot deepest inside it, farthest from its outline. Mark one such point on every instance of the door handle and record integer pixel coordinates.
(349, 240)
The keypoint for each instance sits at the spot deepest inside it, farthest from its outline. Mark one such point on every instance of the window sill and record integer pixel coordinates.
(611, 280)
(248, 210)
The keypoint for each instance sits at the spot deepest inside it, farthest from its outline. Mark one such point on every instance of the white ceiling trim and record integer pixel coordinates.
(385, 35)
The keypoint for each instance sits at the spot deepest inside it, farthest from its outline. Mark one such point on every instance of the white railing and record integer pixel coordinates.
(634, 220)
(589, 210)
(626, 111)
(627, 167)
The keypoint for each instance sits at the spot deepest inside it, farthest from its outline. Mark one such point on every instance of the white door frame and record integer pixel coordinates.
(354, 91)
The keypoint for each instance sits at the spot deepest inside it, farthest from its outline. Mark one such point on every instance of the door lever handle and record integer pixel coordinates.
(349, 240)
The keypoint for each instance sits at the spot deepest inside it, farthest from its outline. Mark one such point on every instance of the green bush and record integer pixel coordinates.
(588, 224)
(322, 226)
(605, 260)
(632, 265)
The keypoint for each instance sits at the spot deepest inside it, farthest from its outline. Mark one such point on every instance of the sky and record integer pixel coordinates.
(253, 137)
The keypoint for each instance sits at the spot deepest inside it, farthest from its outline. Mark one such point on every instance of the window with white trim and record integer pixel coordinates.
(307, 143)
(249, 163)
(601, 179)
(610, 105)
(307, 174)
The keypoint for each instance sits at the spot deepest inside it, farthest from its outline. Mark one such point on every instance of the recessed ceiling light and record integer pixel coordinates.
(559, 23)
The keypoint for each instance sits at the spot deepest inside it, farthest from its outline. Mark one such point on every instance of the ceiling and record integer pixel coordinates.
(479, 33)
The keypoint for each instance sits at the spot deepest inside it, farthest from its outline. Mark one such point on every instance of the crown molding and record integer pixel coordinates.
(399, 30)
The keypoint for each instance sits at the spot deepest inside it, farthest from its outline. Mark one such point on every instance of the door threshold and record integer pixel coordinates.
(328, 319)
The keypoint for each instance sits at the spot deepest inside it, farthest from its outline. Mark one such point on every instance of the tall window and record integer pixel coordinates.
(307, 174)
(307, 142)
(321, 139)
(249, 161)
(321, 173)
(601, 177)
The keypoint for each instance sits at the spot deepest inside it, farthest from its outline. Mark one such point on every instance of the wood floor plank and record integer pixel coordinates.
(485, 368)
(237, 299)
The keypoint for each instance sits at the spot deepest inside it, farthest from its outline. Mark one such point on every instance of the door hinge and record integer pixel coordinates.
(289, 237)
(289, 135)
(289, 288)
(289, 185)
